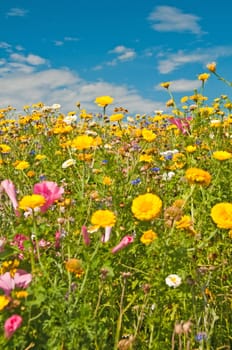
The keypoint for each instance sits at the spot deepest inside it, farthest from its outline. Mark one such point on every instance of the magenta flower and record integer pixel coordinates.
(21, 279)
(124, 242)
(181, 123)
(85, 235)
(12, 324)
(9, 188)
(50, 191)
(57, 239)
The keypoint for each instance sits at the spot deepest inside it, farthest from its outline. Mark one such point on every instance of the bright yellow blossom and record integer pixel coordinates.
(198, 176)
(103, 101)
(148, 237)
(116, 117)
(221, 214)
(32, 202)
(146, 206)
(21, 165)
(222, 155)
(103, 218)
(203, 77)
(4, 301)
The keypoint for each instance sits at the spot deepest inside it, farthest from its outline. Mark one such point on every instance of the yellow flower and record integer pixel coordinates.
(103, 218)
(83, 142)
(166, 84)
(212, 67)
(203, 77)
(146, 158)
(103, 101)
(21, 294)
(4, 148)
(148, 237)
(31, 173)
(32, 202)
(190, 149)
(184, 222)
(170, 103)
(146, 206)
(116, 117)
(74, 266)
(21, 165)
(184, 99)
(222, 155)
(221, 214)
(40, 157)
(107, 180)
(148, 135)
(198, 176)
(4, 301)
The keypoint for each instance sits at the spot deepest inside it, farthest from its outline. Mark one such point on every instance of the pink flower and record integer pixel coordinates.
(106, 236)
(12, 324)
(9, 188)
(21, 279)
(57, 239)
(50, 191)
(124, 242)
(181, 123)
(18, 241)
(85, 235)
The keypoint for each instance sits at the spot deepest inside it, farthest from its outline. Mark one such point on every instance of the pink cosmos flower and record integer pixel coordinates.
(85, 235)
(181, 123)
(50, 191)
(12, 324)
(9, 188)
(124, 242)
(21, 279)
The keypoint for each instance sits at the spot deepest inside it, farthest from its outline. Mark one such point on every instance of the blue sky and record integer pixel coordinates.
(75, 50)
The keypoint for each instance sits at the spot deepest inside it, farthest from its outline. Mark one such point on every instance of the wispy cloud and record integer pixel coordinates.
(30, 59)
(123, 54)
(173, 61)
(16, 12)
(182, 85)
(172, 19)
(65, 39)
(25, 83)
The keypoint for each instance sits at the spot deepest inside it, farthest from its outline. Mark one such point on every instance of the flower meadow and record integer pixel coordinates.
(116, 231)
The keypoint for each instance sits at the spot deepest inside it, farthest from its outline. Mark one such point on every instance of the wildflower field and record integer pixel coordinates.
(116, 230)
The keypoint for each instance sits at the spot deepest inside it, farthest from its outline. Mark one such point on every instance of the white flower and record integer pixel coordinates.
(56, 106)
(68, 163)
(69, 119)
(168, 176)
(173, 280)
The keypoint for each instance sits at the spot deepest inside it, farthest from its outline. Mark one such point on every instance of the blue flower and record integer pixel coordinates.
(200, 336)
(155, 169)
(136, 181)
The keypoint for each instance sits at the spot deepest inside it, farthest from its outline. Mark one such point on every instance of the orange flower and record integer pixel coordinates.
(198, 176)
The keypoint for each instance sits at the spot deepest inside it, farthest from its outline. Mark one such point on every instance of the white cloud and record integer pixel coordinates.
(173, 61)
(65, 39)
(30, 59)
(16, 12)
(182, 85)
(4, 45)
(172, 19)
(25, 84)
(123, 53)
